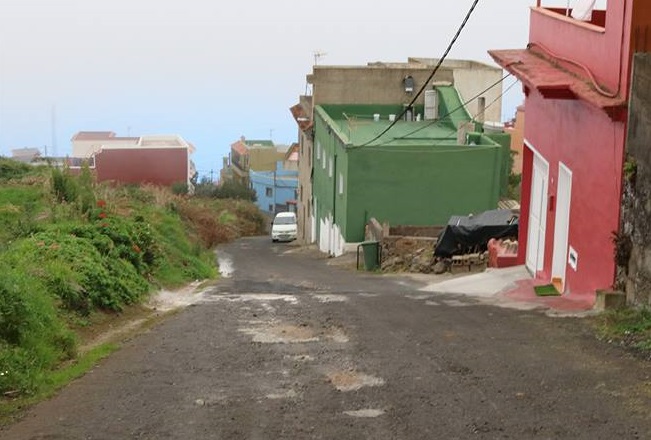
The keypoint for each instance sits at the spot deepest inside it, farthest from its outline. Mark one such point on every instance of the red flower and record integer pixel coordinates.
(102, 214)
(101, 203)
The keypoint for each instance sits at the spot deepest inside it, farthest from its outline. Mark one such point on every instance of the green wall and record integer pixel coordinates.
(420, 187)
(416, 183)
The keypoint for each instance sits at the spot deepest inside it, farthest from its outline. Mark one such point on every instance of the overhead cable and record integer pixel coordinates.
(425, 84)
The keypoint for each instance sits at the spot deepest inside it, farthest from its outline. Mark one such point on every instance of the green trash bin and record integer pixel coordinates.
(371, 251)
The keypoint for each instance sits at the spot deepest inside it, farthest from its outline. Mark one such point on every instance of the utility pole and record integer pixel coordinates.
(54, 130)
(211, 171)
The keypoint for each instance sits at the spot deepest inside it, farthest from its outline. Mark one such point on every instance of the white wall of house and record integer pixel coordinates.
(331, 240)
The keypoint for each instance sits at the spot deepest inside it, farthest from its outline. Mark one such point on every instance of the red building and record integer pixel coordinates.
(576, 75)
(160, 160)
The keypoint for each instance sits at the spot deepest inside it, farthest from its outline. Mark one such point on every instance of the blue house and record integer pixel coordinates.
(277, 190)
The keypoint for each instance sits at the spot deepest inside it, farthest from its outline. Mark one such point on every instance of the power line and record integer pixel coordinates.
(490, 104)
(462, 105)
(438, 65)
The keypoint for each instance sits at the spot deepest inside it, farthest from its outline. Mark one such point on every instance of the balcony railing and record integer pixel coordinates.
(564, 8)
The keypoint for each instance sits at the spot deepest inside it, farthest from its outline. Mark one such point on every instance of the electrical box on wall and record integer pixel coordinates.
(573, 258)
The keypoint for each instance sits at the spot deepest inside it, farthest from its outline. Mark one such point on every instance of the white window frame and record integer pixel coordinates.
(330, 167)
(318, 150)
(324, 160)
(341, 183)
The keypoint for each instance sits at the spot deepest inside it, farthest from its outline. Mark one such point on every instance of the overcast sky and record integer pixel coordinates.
(212, 71)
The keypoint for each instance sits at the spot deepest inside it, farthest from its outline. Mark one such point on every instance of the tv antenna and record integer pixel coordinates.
(318, 55)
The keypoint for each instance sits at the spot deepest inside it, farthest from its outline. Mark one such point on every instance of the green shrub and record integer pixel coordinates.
(12, 169)
(32, 337)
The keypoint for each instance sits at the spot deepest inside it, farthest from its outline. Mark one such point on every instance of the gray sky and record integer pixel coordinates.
(211, 71)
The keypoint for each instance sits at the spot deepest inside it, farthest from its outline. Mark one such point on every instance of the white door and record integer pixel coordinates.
(562, 225)
(537, 215)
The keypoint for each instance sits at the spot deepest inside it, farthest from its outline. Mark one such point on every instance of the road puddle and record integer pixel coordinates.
(346, 381)
(168, 300)
(225, 262)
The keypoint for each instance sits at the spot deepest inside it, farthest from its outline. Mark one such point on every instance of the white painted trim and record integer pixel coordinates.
(542, 225)
(561, 242)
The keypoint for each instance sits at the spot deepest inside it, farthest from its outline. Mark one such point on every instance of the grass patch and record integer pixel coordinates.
(54, 381)
(546, 290)
(630, 327)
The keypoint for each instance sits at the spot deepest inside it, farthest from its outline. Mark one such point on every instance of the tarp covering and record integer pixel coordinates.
(465, 234)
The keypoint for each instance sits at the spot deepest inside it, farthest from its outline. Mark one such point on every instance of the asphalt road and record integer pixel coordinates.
(291, 347)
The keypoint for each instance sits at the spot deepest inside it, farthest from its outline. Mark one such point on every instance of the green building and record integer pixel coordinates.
(418, 173)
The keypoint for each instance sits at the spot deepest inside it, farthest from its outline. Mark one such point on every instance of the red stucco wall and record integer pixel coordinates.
(161, 166)
(600, 51)
(591, 146)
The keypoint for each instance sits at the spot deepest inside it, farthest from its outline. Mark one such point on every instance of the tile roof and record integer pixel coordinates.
(301, 116)
(538, 71)
(240, 148)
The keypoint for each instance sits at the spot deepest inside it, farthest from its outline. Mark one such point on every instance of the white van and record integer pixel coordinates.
(284, 227)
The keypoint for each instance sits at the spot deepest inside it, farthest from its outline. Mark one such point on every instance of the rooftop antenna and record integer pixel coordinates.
(318, 55)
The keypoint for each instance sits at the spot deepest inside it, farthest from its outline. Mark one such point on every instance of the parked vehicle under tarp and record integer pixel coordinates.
(468, 234)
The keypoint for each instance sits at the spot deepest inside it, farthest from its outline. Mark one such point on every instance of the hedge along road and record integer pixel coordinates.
(291, 347)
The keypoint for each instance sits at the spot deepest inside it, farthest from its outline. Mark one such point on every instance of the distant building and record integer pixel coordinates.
(421, 172)
(386, 84)
(26, 155)
(277, 190)
(161, 160)
(250, 155)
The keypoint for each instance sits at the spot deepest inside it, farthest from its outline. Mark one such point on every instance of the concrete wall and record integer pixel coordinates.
(264, 158)
(369, 84)
(383, 84)
(635, 231)
(305, 205)
(475, 79)
(161, 166)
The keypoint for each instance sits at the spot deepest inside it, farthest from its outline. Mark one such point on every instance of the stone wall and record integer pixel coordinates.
(405, 248)
(633, 241)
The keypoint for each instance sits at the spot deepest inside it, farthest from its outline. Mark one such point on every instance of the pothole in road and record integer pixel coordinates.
(274, 333)
(289, 394)
(346, 381)
(281, 334)
(365, 413)
(330, 298)
(251, 297)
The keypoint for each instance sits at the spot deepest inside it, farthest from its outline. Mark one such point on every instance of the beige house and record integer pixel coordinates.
(251, 155)
(382, 83)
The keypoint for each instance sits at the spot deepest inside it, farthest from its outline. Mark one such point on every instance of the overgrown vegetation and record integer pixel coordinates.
(226, 190)
(71, 249)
